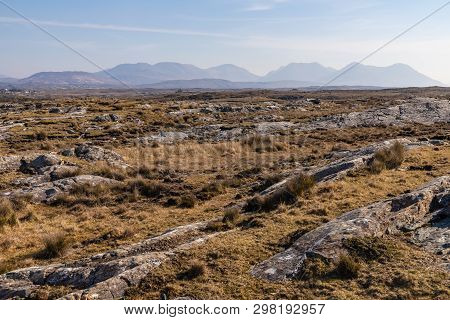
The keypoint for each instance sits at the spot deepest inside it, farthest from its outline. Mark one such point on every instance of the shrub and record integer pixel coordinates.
(110, 172)
(146, 172)
(368, 248)
(388, 158)
(195, 270)
(216, 226)
(313, 268)
(231, 216)
(7, 214)
(40, 135)
(55, 245)
(89, 190)
(187, 201)
(146, 188)
(347, 267)
(262, 143)
(287, 194)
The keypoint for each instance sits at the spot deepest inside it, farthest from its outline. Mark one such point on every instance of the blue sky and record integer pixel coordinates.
(259, 35)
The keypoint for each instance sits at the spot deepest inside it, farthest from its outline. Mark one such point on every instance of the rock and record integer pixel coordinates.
(167, 137)
(270, 127)
(314, 101)
(348, 160)
(39, 164)
(68, 152)
(40, 190)
(9, 163)
(393, 216)
(107, 117)
(94, 153)
(54, 110)
(61, 172)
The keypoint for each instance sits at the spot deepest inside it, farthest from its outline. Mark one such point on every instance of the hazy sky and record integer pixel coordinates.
(260, 35)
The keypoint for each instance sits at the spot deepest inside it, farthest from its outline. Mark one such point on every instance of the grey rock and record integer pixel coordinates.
(39, 190)
(107, 118)
(54, 110)
(94, 153)
(166, 137)
(39, 164)
(68, 152)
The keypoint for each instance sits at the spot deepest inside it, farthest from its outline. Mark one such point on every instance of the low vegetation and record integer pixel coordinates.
(55, 246)
(7, 214)
(195, 270)
(287, 194)
(388, 158)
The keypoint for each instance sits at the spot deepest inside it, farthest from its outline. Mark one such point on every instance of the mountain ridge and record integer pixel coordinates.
(295, 74)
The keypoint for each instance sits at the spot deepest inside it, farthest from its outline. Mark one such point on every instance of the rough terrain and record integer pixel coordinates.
(207, 195)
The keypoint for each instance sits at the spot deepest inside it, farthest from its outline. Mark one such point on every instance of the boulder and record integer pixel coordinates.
(39, 164)
(94, 153)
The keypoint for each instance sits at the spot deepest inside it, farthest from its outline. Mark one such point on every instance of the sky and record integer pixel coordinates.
(259, 35)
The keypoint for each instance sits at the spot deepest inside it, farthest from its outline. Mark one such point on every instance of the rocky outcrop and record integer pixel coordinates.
(107, 275)
(411, 211)
(9, 163)
(39, 164)
(38, 190)
(95, 153)
(420, 110)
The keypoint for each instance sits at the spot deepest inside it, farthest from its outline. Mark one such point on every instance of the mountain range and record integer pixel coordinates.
(171, 75)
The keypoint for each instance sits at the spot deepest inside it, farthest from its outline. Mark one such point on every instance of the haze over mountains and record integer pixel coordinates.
(170, 75)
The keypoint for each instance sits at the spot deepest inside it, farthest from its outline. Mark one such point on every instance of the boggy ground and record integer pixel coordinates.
(227, 147)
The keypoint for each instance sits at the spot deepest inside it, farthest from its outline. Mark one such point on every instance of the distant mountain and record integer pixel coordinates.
(397, 75)
(314, 72)
(231, 72)
(66, 79)
(6, 79)
(144, 73)
(177, 75)
(225, 84)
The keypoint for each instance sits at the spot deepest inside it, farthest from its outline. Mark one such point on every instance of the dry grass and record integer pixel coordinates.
(55, 246)
(347, 267)
(287, 194)
(7, 214)
(195, 270)
(136, 208)
(389, 158)
(107, 171)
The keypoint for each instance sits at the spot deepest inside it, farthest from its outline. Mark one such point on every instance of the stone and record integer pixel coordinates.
(95, 153)
(39, 163)
(107, 117)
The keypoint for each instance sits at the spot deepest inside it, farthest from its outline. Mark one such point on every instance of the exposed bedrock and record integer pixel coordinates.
(107, 275)
(422, 211)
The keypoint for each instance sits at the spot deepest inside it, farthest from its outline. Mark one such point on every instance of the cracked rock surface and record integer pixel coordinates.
(107, 275)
